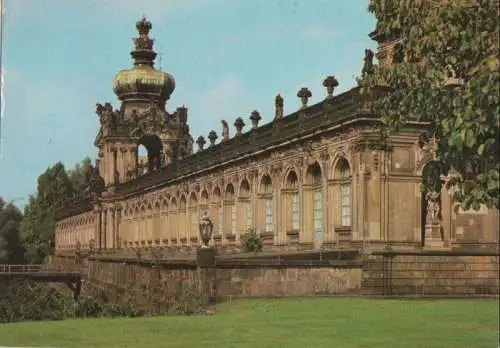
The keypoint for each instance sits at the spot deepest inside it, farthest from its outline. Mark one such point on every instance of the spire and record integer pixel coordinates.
(143, 53)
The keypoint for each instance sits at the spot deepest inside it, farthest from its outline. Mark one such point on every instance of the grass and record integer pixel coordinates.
(315, 323)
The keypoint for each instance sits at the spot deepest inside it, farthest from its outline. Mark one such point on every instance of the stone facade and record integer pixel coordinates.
(322, 177)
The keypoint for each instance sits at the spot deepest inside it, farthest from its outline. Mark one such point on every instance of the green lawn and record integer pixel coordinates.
(315, 323)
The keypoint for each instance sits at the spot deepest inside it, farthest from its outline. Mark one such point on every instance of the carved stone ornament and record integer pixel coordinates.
(255, 118)
(206, 229)
(212, 137)
(239, 124)
(200, 142)
(330, 82)
(304, 94)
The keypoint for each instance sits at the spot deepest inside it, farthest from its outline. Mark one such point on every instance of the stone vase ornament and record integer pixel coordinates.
(206, 228)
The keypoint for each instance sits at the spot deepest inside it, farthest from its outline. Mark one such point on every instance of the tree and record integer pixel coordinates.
(38, 225)
(79, 175)
(446, 74)
(11, 250)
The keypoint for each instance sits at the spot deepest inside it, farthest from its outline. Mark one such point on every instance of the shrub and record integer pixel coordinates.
(251, 241)
(26, 300)
(185, 301)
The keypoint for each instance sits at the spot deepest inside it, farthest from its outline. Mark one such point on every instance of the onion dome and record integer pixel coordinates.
(143, 81)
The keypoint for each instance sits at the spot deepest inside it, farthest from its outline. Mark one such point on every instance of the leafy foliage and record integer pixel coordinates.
(26, 300)
(251, 241)
(31, 300)
(446, 73)
(80, 175)
(11, 250)
(38, 225)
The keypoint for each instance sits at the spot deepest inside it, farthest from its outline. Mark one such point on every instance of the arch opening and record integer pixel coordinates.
(149, 153)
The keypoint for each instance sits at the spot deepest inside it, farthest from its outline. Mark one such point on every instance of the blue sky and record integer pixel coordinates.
(228, 57)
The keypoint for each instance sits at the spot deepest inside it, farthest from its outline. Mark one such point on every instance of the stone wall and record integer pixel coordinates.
(260, 276)
(288, 281)
(403, 273)
(432, 273)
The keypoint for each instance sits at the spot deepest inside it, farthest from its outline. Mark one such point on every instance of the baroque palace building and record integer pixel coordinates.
(320, 177)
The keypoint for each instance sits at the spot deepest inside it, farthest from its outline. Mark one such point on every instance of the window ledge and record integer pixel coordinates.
(343, 229)
(230, 236)
(292, 233)
(266, 235)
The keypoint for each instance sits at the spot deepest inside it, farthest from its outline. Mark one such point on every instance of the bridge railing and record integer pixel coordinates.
(30, 269)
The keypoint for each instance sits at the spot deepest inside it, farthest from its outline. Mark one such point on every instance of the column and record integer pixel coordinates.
(123, 163)
(328, 234)
(117, 240)
(112, 228)
(361, 201)
(104, 228)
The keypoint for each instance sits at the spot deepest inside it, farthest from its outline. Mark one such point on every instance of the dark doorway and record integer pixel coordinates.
(153, 146)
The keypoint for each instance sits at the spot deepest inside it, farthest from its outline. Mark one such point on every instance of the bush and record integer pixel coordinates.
(26, 300)
(185, 301)
(251, 241)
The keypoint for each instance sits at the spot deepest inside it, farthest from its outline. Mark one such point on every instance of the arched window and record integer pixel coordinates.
(344, 174)
(183, 223)
(246, 205)
(174, 222)
(230, 209)
(193, 218)
(156, 223)
(204, 202)
(292, 187)
(218, 212)
(143, 229)
(266, 197)
(164, 222)
(315, 194)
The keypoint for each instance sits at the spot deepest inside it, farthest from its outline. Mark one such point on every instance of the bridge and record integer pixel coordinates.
(44, 273)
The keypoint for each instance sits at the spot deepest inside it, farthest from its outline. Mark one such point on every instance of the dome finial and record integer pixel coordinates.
(143, 82)
(143, 53)
(143, 26)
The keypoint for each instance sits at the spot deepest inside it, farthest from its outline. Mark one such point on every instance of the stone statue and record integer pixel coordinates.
(225, 130)
(433, 206)
(368, 65)
(278, 104)
(278, 101)
(206, 227)
(107, 117)
(96, 182)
